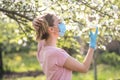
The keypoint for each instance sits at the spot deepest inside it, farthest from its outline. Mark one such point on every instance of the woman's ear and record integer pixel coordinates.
(51, 29)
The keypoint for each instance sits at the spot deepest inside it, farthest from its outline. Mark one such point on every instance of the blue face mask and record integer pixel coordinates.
(62, 29)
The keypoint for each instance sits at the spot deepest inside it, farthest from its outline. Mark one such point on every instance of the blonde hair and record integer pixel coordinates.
(41, 25)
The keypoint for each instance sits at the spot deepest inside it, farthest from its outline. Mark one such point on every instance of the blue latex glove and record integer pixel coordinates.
(93, 37)
(62, 29)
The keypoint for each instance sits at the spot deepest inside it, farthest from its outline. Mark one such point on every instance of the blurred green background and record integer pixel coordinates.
(18, 47)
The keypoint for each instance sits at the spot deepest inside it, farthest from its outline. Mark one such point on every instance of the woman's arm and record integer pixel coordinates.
(75, 65)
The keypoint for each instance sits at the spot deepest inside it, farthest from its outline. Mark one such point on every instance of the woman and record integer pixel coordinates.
(55, 62)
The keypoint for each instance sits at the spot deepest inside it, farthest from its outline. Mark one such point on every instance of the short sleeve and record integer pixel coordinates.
(61, 57)
(39, 48)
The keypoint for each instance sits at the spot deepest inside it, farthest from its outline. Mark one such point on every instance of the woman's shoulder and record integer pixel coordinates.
(51, 48)
(54, 49)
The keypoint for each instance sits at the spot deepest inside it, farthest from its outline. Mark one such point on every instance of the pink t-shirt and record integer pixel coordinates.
(52, 60)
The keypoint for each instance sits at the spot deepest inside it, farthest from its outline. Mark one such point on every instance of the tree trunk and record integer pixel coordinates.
(1, 63)
(95, 66)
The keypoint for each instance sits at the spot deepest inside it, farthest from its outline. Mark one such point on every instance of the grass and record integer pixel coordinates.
(104, 72)
(41, 77)
(21, 62)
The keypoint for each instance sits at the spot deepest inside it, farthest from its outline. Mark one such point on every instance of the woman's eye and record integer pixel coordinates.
(60, 22)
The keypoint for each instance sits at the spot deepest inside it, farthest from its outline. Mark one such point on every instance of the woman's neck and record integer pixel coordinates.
(50, 42)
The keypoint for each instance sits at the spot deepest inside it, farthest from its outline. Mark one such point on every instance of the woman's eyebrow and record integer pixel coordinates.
(59, 20)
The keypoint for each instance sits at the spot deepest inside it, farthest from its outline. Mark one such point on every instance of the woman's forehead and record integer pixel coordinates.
(56, 18)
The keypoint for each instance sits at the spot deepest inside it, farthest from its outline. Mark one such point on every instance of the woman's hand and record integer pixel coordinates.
(93, 37)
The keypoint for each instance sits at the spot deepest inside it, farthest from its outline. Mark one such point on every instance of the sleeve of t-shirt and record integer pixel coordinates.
(39, 47)
(61, 57)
